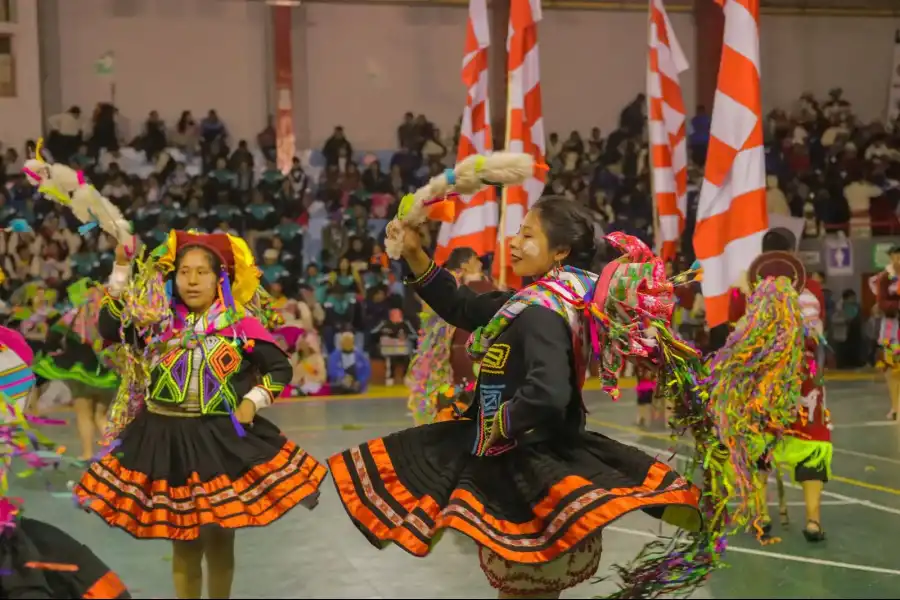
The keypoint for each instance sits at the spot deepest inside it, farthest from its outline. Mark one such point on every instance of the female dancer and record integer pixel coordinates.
(887, 294)
(198, 463)
(520, 475)
(79, 358)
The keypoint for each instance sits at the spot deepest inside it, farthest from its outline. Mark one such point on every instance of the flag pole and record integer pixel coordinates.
(503, 194)
(657, 243)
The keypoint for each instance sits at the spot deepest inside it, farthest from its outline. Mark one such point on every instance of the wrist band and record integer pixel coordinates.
(425, 277)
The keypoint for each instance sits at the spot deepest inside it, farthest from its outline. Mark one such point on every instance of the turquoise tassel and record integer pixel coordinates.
(20, 226)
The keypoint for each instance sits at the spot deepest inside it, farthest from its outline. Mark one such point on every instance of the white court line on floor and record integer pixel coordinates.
(866, 455)
(663, 454)
(768, 554)
(837, 450)
(823, 503)
(865, 424)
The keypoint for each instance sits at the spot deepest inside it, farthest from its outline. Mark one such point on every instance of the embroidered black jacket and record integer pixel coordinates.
(529, 371)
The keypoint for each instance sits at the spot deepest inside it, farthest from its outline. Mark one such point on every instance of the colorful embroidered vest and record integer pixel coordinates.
(213, 367)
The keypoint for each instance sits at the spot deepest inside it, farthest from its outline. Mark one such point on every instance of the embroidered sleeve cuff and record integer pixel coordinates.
(118, 279)
(503, 420)
(260, 396)
(425, 278)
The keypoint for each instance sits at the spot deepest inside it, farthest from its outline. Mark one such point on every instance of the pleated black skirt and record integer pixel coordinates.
(170, 476)
(529, 505)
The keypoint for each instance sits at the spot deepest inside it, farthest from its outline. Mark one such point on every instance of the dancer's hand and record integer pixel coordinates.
(246, 411)
(411, 249)
(495, 436)
(125, 253)
(412, 241)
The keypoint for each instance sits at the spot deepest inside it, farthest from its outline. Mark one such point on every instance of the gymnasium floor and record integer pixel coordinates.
(321, 555)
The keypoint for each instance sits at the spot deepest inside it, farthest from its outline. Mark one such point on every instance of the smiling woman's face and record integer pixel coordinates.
(530, 255)
(196, 281)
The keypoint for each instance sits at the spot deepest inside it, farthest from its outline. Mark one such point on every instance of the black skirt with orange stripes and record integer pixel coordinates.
(531, 504)
(171, 476)
(38, 560)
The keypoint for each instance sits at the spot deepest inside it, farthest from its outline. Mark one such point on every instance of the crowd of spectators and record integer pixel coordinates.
(317, 230)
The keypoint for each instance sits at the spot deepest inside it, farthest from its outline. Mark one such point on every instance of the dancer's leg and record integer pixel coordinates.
(187, 569)
(762, 500)
(812, 480)
(101, 408)
(84, 423)
(782, 500)
(218, 546)
(893, 378)
(812, 496)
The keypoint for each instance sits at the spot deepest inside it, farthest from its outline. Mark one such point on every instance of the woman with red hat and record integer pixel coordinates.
(193, 462)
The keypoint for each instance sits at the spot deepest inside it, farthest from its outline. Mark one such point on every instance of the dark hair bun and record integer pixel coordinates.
(569, 224)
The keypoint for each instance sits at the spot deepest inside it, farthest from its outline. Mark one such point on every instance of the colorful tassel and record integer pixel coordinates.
(238, 427)
(225, 290)
(86, 228)
(753, 388)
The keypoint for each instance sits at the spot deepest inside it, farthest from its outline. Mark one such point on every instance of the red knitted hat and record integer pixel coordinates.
(217, 243)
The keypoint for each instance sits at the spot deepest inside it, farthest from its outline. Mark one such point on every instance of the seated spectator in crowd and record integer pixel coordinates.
(341, 314)
(335, 241)
(393, 340)
(357, 254)
(280, 302)
(315, 281)
(273, 272)
(186, 136)
(310, 374)
(377, 307)
(349, 369)
(345, 277)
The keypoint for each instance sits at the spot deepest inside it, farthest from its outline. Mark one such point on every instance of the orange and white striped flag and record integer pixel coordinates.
(731, 214)
(667, 127)
(475, 225)
(524, 121)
